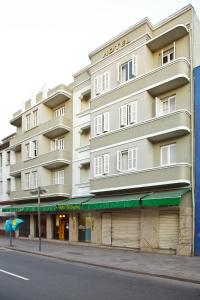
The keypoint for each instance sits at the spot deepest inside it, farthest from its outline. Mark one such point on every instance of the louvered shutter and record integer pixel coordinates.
(168, 230)
(99, 124)
(118, 73)
(100, 165)
(119, 160)
(158, 107)
(106, 163)
(106, 122)
(95, 166)
(31, 149)
(164, 155)
(172, 103)
(172, 150)
(107, 81)
(96, 86)
(134, 66)
(123, 115)
(132, 153)
(95, 126)
(132, 112)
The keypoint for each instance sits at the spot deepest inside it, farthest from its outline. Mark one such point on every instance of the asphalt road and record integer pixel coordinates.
(29, 277)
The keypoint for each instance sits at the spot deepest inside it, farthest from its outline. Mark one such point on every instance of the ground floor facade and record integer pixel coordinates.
(146, 227)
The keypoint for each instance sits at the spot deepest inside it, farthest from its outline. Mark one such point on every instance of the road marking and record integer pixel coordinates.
(15, 275)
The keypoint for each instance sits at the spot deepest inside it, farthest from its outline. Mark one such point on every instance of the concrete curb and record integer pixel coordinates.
(106, 267)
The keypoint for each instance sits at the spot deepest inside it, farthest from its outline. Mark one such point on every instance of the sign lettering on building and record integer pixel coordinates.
(116, 47)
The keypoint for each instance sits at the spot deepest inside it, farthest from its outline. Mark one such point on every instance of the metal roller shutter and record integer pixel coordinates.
(106, 229)
(168, 230)
(126, 229)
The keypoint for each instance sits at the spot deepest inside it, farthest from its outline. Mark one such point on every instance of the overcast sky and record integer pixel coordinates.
(46, 41)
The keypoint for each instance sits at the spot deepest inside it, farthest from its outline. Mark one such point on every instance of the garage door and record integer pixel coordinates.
(106, 229)
(168, 230)
(126, 229)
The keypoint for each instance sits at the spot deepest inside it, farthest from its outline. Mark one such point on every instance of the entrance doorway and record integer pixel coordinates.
(61, 227)
(84, 229)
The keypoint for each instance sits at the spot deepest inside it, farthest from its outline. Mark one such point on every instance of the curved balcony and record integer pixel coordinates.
(51, 129)
(167, 37)
(174, 175)
(51, 160)
(54, 190)
(157, 129)
(160, 80)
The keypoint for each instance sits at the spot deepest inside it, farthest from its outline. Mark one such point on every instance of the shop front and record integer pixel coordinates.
(84, 227)
(61, 226)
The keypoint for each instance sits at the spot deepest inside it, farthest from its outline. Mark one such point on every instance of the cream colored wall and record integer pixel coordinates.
(84, 174)
(184, 18)
(135, 34)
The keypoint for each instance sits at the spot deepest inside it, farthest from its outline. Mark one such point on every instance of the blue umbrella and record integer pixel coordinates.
(13, 225)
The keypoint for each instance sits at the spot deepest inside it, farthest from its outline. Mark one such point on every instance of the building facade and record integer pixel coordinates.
(129, 175)
(7, 182)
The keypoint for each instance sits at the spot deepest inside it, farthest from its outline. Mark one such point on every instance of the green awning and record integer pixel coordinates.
(72, 204)
(168, 198)
(32, 207)
(126, 201)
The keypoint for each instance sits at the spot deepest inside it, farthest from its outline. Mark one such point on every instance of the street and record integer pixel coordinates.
(25, 276)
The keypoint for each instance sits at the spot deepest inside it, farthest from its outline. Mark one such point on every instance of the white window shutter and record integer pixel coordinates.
(99, 84)
(134, 65)
(174, 50)
(132, 112)
(95, 126)
(172, 103)
(173, 154)
(107, 81)
(31, 149)
(106, 163)
(96, 86)
(106, 121)
(164, 155)
(118, 72)
(100, 163)
(99, 124)
(95, 167)
(123, 115)
(158, 107)
(119, 159)
(131, 159)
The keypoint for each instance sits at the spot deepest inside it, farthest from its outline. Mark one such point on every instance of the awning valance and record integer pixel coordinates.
(72, 204)
(168, 198)
(124, 201)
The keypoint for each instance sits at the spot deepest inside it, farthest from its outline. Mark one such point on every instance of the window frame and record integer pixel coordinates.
(169, 154)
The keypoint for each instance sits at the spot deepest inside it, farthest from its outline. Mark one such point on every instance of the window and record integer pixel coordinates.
(28, 122)
(34, 179)
(8, 157)
(165, 106)
(128, 114)
(58, 177)
(57, 144)
(32, 149)
(60, 112)
(1, 187)
(127, 70)
(127, 160)
(8, 186)
(168, 155)
(101, 165)
(168, 55)
(1, 160)
(35, 118)
(27, 181)
(101, 84)
(102, 123)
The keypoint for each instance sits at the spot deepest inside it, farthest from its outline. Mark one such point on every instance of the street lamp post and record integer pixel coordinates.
(39, 191)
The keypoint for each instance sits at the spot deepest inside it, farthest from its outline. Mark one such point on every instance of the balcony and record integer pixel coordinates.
(174, 175)
(56, 190)
(51, 129)
(50, 160)
(17, 118)
(160, 80)
(57, 98)
(157, 129)
(167, 37)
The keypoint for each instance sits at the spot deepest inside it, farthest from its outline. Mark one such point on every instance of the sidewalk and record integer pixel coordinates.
(166, 266)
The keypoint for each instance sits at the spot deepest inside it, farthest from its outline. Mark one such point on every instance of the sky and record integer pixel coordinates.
(47, 41)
